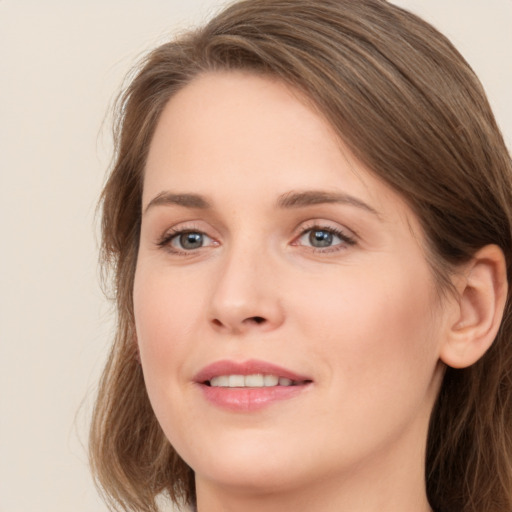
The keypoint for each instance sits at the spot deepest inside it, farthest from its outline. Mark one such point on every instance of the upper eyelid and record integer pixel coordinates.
(343, 237)
(186, 226)
(173, 232)
(325, 224)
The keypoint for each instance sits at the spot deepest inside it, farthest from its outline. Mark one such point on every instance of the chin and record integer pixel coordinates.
(250, 466)
(255, 478)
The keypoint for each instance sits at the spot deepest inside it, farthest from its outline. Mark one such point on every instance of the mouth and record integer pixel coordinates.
(249, 386)
(255, 380)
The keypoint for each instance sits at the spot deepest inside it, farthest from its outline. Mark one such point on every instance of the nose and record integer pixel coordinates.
(246, 295)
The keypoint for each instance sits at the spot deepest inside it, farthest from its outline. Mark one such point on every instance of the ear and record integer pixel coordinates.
(482, 293)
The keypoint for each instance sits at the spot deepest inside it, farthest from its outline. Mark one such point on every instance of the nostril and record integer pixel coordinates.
(250, 320)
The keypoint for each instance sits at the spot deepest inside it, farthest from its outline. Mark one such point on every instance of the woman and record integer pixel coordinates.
(309, 227)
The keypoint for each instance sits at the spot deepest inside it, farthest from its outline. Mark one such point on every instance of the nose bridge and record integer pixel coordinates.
(245, 293)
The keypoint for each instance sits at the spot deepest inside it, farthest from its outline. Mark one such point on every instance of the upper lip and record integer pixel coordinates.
(250, 367)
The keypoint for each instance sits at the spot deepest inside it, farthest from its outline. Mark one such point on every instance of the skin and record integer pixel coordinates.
(360, 317)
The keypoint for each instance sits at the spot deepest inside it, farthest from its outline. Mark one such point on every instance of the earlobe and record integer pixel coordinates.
(482, 293)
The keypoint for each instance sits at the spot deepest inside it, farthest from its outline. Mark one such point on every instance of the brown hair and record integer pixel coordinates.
(410, 108)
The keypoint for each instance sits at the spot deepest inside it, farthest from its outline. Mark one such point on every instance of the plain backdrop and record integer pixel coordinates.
(61, 65)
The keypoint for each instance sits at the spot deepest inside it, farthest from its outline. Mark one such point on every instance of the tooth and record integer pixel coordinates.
(254, 381)
(270, 380)
(236, 381)
(220, 381)
(251, 381)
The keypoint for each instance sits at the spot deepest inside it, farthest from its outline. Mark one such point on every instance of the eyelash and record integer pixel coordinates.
(166, 241)
(346, 240)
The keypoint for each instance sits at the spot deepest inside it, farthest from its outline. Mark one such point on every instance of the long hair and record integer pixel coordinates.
(410, 108)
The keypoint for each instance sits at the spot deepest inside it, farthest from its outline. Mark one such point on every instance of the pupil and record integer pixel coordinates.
(191, 240)
(320, 238)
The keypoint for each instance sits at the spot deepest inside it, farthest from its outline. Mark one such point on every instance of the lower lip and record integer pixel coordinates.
(250, 399)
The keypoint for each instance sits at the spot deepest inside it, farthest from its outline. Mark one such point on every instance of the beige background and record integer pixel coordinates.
(61, 65)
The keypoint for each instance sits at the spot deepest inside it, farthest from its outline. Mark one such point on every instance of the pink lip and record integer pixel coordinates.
(250, 367)
(248, 399)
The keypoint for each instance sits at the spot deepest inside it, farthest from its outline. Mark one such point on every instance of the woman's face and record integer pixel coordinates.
(268, 254)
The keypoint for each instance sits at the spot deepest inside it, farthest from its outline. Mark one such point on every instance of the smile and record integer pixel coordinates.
(249, 386)
(256, 380)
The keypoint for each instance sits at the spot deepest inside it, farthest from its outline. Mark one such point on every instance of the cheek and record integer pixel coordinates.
(375, 329)
(164, 319)
(375, 336)
(165, 312)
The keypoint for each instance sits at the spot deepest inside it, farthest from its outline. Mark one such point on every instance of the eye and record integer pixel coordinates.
(188, 241)
(321, 238)
(318, 237)
(185, 240)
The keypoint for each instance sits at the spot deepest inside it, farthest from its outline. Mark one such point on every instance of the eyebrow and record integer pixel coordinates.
(286, 201)
(314, 197)
(185, 200)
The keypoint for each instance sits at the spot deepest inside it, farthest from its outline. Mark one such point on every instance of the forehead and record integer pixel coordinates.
(240, 118)
(234, 135)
